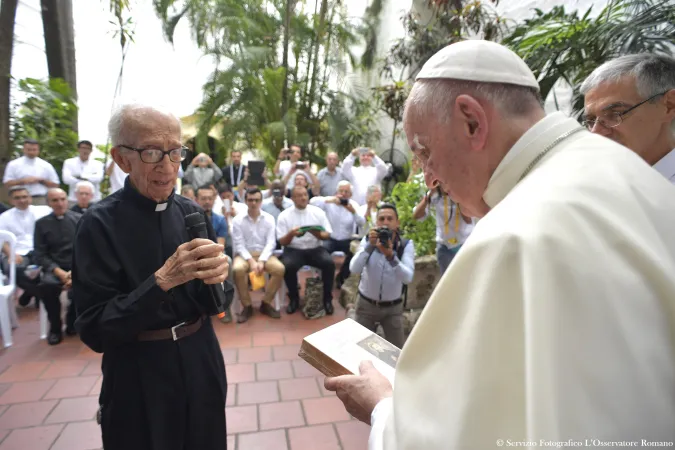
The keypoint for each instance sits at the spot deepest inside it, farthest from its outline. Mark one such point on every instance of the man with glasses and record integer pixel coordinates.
(631, 100)
(142, 295)
(254, 236)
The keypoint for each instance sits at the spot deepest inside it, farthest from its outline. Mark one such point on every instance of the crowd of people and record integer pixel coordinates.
(301, 218)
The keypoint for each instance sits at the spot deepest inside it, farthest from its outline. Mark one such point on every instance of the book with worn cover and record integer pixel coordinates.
(340, 348)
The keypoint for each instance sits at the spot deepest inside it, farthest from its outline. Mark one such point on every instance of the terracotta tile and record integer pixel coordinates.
(26, 414)
(3, 434)
(280, 415)
(232, 442)
(4, 387)
(302, 369)
(275, 370)
(74, 409)
(230, 355)
(241, 419)
(298, 388)
(295, 337)
(235, 341)
(310, 438)
(324, 410)
(79, 436)
(286, 352)
(87, 353)
(26, 391)
(72, 387)
(36, 438)
(267, 440)
(268, 338)
(251, 393)
(93, 368)
(240, 373)
(96, 390)
(23, 372)
(325, 392)
(255, 354)
(353, 435)
(62, 369)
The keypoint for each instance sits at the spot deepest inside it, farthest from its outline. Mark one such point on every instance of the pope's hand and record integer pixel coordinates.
(361, 393)
(200, 259)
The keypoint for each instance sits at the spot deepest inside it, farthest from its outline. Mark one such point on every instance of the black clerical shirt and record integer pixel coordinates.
(120, 243)
(78, 209)
(53, 241)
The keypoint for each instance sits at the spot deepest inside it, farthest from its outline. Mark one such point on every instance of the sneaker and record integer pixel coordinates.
(269, 311)
(245, 314)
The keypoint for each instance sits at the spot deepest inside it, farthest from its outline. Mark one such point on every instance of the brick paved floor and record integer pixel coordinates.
(48, 395)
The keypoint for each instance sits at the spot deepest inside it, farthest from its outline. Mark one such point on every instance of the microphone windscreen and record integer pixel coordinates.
(194, 219)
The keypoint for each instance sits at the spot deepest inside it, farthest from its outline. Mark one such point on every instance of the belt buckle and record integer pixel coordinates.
(174, 328)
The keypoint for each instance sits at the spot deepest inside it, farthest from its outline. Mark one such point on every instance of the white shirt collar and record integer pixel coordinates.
(666, 165)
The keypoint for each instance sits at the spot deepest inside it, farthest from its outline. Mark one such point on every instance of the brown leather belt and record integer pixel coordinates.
(175, 333)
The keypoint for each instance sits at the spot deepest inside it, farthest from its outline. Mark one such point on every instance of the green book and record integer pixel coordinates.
(312, 227)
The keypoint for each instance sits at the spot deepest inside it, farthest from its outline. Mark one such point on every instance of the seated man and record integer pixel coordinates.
(84, 194)
(342, 215)
(254, 237)
(304, 248)
(384, 269)
(54, 236)
(20, 221)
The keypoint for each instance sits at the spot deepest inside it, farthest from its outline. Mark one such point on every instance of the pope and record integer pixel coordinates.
(556, 320)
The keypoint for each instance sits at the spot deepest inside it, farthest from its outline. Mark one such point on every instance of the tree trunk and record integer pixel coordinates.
(290, 4)
(7, 18)
(315, 69)
(57, 22)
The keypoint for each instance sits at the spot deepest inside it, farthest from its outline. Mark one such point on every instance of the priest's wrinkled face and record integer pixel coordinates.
(644, 124)
(145, 133)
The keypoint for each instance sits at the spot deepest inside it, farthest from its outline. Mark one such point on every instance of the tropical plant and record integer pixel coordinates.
(405, 196)
(47, 116)
(260, 101)
(561, 45)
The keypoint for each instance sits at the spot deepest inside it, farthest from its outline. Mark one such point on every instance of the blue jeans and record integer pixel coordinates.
(445, 255)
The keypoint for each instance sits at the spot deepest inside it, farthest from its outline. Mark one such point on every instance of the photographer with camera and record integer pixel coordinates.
(275, 204)
(386, 262)
(371, 171)
(288, 162)
(343, 217)
(202, 171)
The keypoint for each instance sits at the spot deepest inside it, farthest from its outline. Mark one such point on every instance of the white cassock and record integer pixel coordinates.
(556, 320)
(666, 166)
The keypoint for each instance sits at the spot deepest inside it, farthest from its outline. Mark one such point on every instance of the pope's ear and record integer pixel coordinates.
(120, 159)
(474, 120)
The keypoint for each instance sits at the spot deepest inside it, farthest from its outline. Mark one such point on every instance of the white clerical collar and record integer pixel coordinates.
(523, 153)
(666, 165)
(161, 206)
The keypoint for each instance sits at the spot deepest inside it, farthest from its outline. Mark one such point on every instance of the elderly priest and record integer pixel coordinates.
(556, 320)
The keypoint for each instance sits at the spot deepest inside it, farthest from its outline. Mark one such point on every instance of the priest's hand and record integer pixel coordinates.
(361, 393)
(198, 259)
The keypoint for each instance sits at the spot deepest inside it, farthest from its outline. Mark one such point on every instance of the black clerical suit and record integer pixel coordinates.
(53, 248)
(156, 394)
(78, 209)
(233, 175)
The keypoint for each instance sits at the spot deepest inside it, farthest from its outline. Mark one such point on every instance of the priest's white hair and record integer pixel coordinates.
(131, 111)
(653, 74)
(436, 97)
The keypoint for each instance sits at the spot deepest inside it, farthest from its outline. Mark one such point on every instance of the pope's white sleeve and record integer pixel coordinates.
(378, 420)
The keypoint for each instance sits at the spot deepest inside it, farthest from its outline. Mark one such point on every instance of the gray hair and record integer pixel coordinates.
(130, 111)
(84, 183)
(436, 97)
(653, 73)
(344, 183)
(372, 188)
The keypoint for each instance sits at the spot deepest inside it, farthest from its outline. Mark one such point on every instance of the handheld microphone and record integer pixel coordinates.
(196, 227)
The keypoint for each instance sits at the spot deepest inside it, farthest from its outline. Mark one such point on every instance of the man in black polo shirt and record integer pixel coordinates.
(54, 236)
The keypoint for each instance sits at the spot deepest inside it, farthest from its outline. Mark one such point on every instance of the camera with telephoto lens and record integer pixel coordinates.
(344, 201)
(277, 193)
(384, 235)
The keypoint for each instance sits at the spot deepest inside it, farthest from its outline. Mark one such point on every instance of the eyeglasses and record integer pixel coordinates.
(155, 155)
(614, 119)
(253, 200)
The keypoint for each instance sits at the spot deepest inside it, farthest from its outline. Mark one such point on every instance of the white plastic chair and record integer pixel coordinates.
(7, 311)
